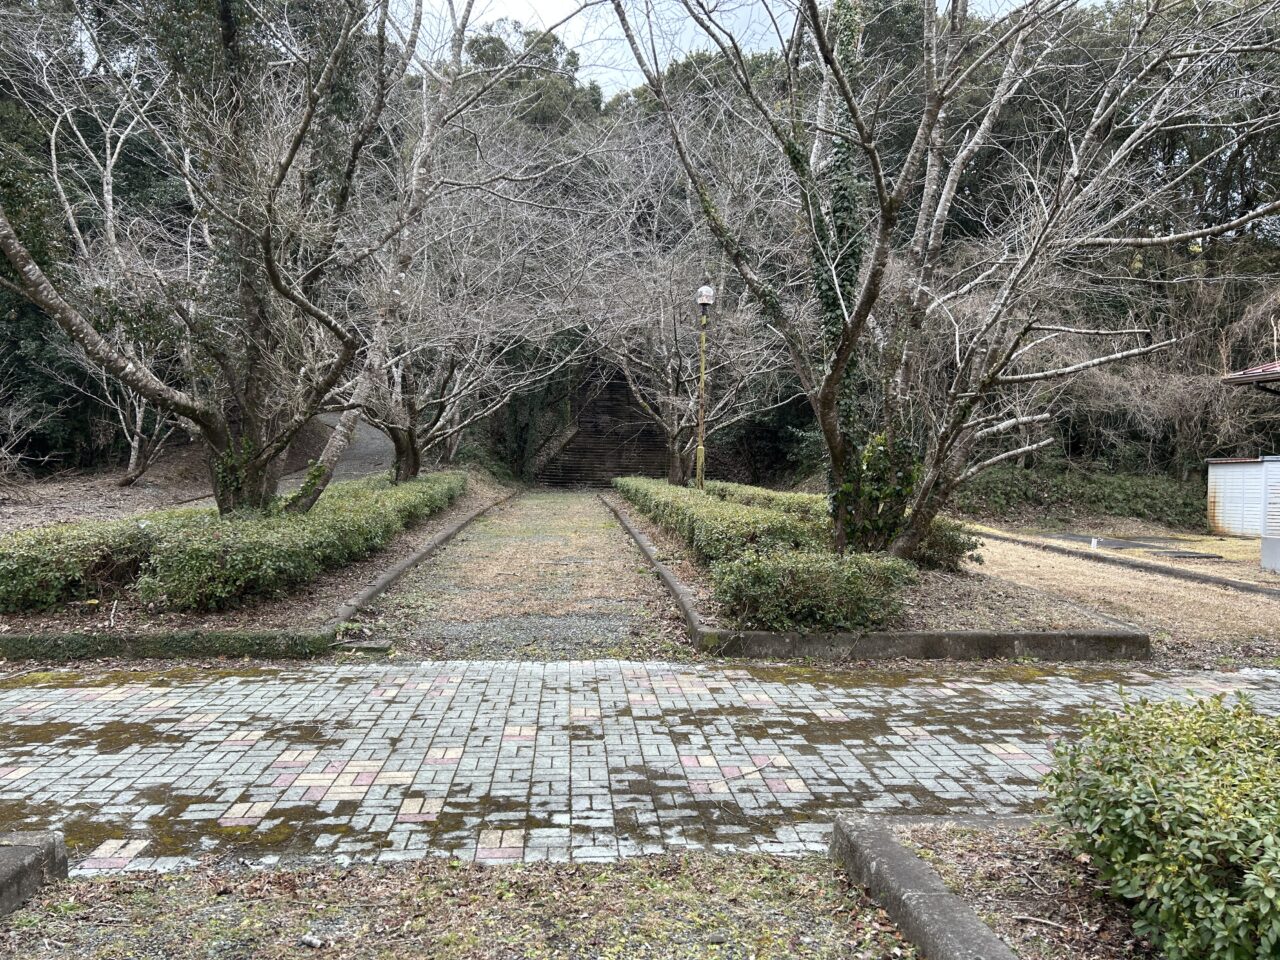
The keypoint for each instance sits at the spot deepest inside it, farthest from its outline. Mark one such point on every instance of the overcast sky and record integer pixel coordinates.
(594, 34)
(597, 38)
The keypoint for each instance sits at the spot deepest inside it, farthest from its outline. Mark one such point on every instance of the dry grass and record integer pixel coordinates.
(663, 908)
(1041, 901)
(1191, 624)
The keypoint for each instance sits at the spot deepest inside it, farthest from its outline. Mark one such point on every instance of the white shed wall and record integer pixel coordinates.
(1236, 496)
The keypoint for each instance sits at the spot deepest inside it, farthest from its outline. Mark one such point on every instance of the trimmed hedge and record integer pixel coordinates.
(948, 544)
(1178, 806)
(771, 568)
(717, 529)
(47, 566)
(811, 505)
(196, 560)
(213, 564)
(795, 589)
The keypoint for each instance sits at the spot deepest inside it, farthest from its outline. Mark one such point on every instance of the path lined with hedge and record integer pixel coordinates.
(501, 761)
(547, 576)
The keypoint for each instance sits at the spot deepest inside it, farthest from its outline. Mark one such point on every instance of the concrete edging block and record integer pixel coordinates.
(937, 921)
(1120, 643)
(28, 860)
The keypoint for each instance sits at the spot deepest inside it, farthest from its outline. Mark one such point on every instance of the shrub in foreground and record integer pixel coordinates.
(220, 561)
(717, 529)
(47, 566)
(793, 589)
(1178, 805)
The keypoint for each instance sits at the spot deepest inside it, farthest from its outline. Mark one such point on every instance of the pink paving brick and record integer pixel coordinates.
(314, 794)
(415, 817)
(498, 853)
(284, 780)
(105, 863)
(365, 779)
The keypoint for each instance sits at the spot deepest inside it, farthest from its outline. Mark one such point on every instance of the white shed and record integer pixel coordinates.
(1236, 494)
(1244, 501)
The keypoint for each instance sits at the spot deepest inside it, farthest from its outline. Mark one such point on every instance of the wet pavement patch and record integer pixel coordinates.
(495, 761)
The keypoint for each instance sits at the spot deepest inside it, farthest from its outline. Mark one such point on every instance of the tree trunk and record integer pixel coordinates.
(321, 472)
(408, 453)
(240, 481)
(917, 528)
(677, 464)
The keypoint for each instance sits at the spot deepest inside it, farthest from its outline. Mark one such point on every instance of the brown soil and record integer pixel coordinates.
(180, 477)
(1043, 903)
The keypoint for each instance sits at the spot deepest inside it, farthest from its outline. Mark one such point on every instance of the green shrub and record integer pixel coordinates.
(220, 561)
(1055, 490)
(802, 590)
(717, 529)
(809, 505)
(947, 545)
(1178, 805)
(52, 565)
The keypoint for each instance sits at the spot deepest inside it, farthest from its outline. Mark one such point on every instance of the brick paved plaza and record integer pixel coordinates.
(524, 754)
(501, 761)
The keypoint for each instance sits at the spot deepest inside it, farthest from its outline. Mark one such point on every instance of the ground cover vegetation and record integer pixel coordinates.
(1056, 491)
(770, 559)
(195, 560)
(668, 908)
(1175, 805)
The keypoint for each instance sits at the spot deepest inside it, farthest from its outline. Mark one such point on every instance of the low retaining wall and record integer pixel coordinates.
(1120, 642)
(938, 922)
(1064, 645)
(27, 861)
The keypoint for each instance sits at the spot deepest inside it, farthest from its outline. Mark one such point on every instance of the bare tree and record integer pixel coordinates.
(20, 419)
(144, 427)
(274, 122)
(929, 320)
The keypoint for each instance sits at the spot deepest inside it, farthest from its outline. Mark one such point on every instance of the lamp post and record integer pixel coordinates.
(706, 299)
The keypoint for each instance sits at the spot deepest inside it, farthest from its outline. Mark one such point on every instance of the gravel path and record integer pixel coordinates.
(548, 576)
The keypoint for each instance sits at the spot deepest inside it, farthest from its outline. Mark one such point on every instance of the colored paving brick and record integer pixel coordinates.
(514, 765)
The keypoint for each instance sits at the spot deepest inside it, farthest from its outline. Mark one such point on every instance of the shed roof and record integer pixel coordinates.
(1266, 373)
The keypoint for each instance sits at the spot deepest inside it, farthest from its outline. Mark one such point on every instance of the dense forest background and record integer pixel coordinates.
(1217, 297)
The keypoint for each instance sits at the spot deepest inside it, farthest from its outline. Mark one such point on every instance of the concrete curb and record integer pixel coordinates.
(389, 577)
(682, 595)
(1122, 643)
(1146, 566)
(937, 921)
(28, 860)
(1067, 646)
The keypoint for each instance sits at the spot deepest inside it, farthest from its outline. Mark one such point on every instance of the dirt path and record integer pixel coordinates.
(548, 576)
(1191, 624)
